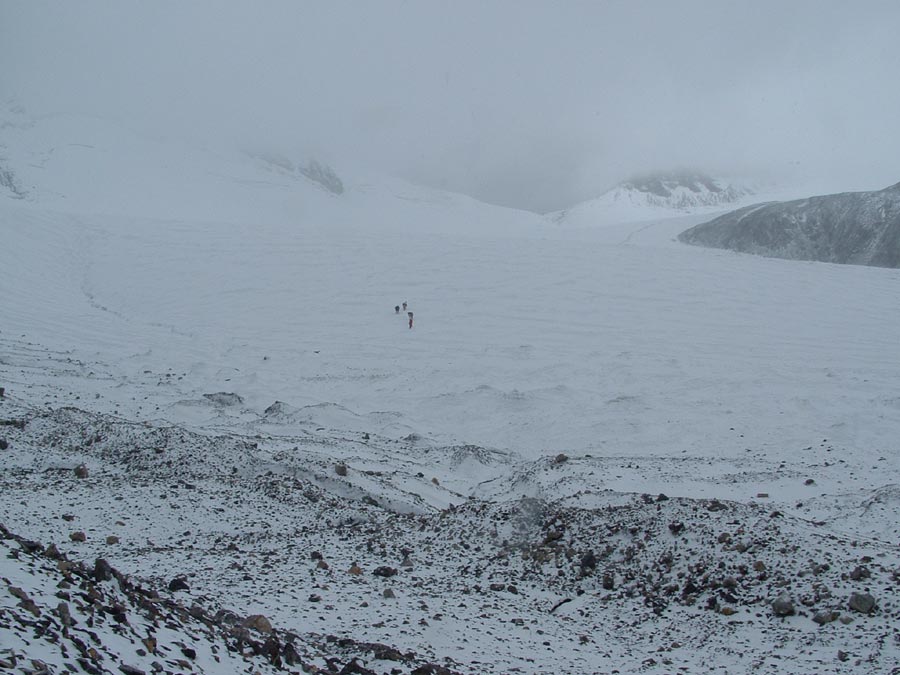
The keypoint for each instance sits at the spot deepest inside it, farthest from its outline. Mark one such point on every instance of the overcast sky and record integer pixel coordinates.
(531, 104)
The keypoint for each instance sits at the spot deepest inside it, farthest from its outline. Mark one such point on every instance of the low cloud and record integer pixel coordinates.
(529, 104)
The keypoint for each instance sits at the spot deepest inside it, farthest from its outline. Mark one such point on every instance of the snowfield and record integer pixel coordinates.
(662, 438)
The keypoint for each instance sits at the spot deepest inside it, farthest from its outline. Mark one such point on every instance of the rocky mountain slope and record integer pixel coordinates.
(859, 228)
(655, 195)
(212, 553)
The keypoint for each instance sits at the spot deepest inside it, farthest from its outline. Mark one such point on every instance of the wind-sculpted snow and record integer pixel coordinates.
(858, 228)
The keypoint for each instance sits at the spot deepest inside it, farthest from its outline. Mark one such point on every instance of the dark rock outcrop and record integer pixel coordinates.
(858, 228)
(324, 175)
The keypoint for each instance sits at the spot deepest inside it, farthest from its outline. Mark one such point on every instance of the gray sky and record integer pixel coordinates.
(531, 104)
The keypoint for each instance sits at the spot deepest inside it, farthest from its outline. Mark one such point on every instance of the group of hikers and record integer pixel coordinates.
(409, 314)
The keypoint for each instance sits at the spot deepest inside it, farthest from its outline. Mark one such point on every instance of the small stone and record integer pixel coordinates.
(385, 653)
(340, 469)
(862, 602)
(322, 565)
(809, 481)
(385, 571)
(315, 598)
(81, 471)
(4, 444)
(762, 495)
(842, 655)
(728, 611)
(78, 536)
(676, 528)
(588, 561)
(355, 570)
(189, 652)
(112, 539)
(388, 593)
(52, 552)
(860, 572)
(435, 481)
(561, 458)
(68, 517)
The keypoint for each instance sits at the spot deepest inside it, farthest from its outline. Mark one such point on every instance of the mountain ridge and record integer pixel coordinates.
(656, 194)
(857, 228)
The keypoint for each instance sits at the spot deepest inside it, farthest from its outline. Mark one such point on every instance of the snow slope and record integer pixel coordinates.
(553, 377)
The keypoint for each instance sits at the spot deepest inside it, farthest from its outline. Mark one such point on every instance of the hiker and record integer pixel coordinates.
(404, 305)
(410, 315)
(396, 309)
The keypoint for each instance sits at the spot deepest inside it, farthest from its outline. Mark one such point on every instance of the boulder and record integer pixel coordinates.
(258, 623)
(179, 584)
(102, 570)
(783, 605)
(826, 616)
(862, 602)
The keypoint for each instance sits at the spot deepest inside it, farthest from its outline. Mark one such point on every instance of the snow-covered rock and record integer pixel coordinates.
(860, 228)
(655, 195)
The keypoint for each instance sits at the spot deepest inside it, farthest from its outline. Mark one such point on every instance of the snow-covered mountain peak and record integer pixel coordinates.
(656, 195)
(91, 166)
(683, 188)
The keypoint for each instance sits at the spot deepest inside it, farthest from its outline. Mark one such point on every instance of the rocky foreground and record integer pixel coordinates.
(130, 547)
